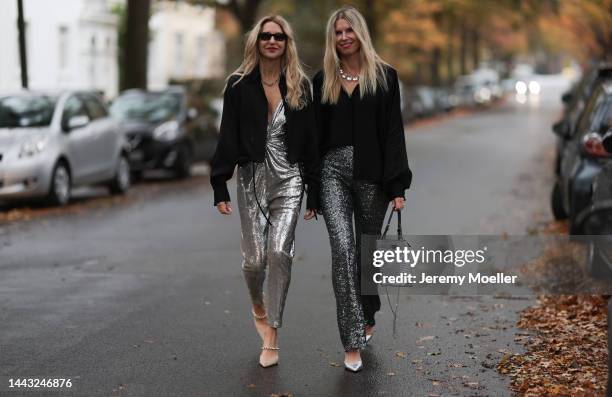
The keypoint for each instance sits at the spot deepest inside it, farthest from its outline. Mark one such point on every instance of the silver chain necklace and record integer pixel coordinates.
(272, 83)
(348, 77)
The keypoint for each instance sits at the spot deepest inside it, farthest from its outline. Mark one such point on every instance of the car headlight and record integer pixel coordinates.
(534, 87)
(167, 131)
(520, 87)
(33, 146)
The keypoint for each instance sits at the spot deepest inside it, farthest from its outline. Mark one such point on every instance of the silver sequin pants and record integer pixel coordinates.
(264, 245)
(341, 199)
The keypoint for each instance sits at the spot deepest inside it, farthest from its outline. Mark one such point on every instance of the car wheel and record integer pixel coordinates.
(59, 191)
(121, 181)
(556, 202)
(182, 167)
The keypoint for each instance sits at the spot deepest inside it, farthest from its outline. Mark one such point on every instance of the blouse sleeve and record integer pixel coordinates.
(397, 174)
(312, 162)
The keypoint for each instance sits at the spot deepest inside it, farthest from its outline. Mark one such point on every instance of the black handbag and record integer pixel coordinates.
(385, 243)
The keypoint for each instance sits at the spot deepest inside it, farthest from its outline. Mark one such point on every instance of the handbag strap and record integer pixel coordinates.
(399, 224)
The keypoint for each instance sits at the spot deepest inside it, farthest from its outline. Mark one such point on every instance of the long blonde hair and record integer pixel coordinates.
(290, 62)
(372, 74)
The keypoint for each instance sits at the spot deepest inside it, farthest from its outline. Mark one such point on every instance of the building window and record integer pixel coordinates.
(63, 47)
(201, 60)
(92, 62)
(178, 54)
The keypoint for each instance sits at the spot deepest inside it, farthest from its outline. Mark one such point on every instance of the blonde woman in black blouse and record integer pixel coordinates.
(364, 167)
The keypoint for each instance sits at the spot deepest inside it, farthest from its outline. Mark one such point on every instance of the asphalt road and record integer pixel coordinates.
(144, 296)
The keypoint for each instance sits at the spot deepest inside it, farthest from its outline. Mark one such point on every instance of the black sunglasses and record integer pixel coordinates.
(266, 36)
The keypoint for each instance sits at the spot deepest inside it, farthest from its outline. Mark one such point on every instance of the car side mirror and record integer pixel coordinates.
(607, 141)
(192, 113)
(561, 128)
(567, 97)
(77, 122)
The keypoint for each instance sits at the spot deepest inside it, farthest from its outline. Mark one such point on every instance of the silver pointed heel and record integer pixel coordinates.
(368, 337)
(354, 367)
(268, 363)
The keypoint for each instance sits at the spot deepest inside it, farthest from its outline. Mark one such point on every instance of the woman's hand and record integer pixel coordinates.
(398, 203)
(309, 214)
(224, 207)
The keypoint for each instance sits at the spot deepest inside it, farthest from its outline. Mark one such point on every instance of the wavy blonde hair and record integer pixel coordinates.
(372, 74)
(290, 62)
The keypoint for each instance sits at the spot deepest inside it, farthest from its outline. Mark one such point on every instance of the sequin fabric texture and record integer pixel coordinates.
(273, 188)
(341, 199)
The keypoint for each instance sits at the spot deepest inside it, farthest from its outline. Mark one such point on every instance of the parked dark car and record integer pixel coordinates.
(574, 102)
(166, 129)
(596, 220)
(609, 388)
(583, 157)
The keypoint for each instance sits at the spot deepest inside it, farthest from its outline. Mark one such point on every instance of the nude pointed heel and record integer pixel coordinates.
(268, 363)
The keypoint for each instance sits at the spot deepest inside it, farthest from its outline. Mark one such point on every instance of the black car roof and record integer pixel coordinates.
(604, 70)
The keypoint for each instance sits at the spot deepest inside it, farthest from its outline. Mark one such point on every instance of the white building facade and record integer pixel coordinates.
(184, 44)
(70, 44)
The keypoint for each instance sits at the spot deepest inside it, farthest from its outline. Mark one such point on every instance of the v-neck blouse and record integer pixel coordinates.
(342, 119)
(373, 125)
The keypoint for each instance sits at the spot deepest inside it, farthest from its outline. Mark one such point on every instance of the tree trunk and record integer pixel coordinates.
(450, 73)
(135, 53)
(475, 49)
(245, 12)
(463, 50)
(435, 66)
(370, 16)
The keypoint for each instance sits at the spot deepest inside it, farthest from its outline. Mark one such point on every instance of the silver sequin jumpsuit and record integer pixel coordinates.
(269, 200)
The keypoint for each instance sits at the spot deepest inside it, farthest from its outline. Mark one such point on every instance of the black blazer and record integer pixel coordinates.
(243, 132)
(379, 147)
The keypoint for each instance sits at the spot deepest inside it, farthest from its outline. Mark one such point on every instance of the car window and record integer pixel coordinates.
(73, 107)
(26, 111)
(149, 107)
(95, 109)
(603, 120)
(590, 111)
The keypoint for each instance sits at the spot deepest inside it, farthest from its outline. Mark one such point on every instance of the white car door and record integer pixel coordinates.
(81, 139)
(106, 135)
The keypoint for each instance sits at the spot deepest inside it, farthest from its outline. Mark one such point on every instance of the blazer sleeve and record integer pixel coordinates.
(396, 172)
(226, 153)
(312, 161)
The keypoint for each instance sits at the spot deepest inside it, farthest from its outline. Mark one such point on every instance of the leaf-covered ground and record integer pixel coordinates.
(566, 339)
(568, 354)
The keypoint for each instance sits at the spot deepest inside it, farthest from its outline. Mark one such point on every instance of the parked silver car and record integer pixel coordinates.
(52, 142)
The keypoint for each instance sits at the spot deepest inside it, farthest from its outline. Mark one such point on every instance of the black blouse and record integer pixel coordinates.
(373, 126)
(342, 119)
